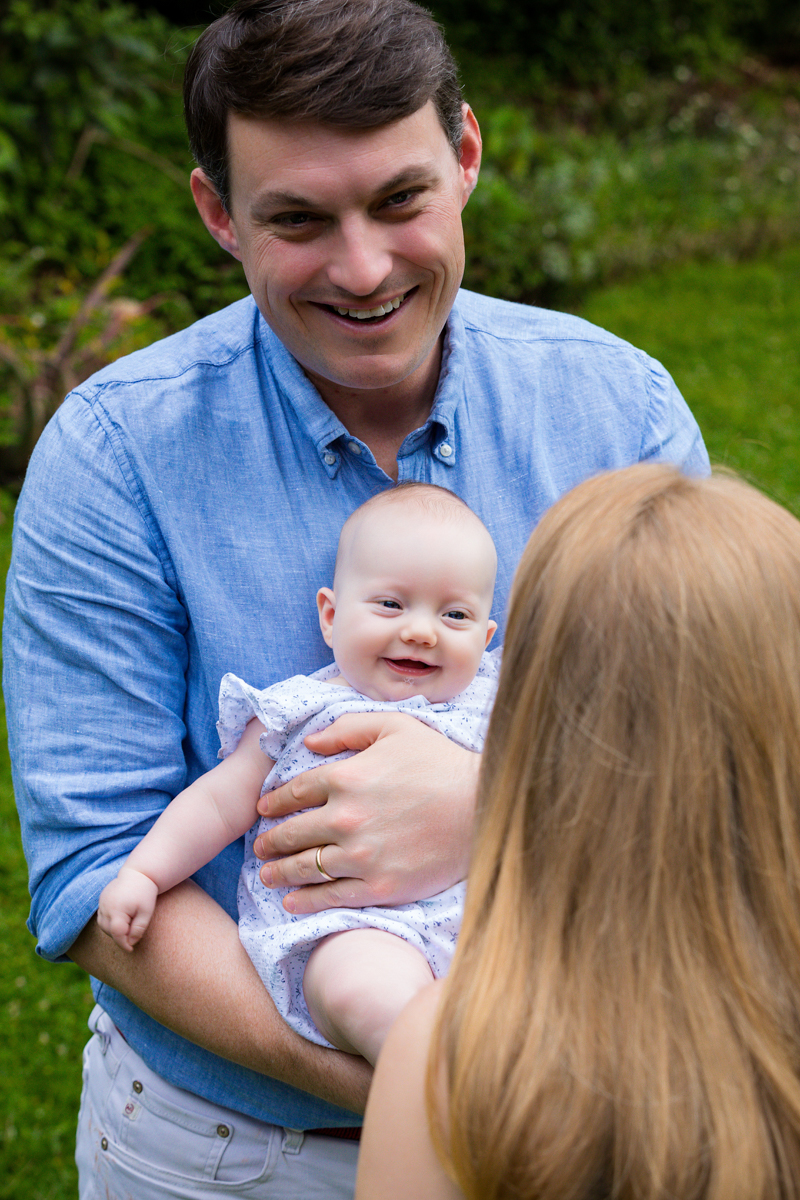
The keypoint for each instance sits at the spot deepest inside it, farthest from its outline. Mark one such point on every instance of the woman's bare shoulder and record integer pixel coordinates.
(397, 1158)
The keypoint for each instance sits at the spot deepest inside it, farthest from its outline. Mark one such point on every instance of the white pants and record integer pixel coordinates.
(141, 1138)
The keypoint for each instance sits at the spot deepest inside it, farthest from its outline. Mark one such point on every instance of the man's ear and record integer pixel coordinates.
(216, 219)
(490, 631)
(326, 607)
(470, 157)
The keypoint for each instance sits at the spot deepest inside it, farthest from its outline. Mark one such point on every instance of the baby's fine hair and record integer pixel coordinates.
(428, 498)
(622, 1016)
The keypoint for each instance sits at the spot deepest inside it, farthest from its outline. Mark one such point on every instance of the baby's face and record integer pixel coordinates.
(410, 612)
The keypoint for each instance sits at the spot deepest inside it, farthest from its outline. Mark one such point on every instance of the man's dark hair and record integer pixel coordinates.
(355, 64)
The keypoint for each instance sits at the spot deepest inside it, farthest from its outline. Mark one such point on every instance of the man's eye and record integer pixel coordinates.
(399, 199)
(295, 220)
(456, 614)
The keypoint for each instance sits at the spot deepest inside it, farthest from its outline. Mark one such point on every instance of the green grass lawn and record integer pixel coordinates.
(44, 1012)
(729, 335)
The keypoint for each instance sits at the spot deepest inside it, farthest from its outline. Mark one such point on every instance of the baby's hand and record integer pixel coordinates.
(126, 906)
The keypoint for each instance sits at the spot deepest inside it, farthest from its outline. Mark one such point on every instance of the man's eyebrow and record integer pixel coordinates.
(272, 200)
(422, 175)
(417, 175)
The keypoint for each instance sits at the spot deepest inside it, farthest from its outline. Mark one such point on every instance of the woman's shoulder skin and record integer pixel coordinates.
(397, 1158)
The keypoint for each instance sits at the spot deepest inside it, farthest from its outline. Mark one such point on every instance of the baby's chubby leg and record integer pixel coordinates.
(357, 982)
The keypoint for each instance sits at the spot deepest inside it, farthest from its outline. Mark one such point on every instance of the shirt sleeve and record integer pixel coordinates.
(94, 662)
(671, 433)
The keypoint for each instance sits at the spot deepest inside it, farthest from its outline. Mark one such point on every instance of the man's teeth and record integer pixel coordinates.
(362, 314)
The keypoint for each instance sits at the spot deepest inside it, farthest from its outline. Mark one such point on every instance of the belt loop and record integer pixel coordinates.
(292, 1141)
(95, 1018)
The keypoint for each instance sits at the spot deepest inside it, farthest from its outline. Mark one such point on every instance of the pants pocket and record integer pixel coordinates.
(140, 1137)
(155, 1132)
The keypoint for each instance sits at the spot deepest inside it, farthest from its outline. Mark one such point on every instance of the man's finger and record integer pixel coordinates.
(308, 790)
(302, 870)
(343, 893)
(355, 731)
(304, 832)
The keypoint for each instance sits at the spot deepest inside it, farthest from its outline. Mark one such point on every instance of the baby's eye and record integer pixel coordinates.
(389, 604)
(456, 614)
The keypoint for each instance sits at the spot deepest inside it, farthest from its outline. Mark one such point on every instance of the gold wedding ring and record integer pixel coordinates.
(320, 867)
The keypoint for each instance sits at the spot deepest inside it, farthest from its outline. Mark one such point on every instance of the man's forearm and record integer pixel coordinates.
(192, 975)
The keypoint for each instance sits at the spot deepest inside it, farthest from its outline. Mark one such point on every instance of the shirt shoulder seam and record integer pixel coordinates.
(132, 482)
(649, 371)
(164, 377)
(614, 343)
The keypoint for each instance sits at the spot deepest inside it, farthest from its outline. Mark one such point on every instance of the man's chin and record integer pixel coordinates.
(361, 373)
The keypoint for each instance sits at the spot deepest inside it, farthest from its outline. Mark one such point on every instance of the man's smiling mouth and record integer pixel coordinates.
(369, 314)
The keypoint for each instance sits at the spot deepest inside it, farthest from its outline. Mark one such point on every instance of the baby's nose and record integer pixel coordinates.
(419, 629)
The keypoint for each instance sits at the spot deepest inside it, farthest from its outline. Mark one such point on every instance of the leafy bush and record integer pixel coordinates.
(94, 172)
(671, 171)
(592, 41)
(92, 149)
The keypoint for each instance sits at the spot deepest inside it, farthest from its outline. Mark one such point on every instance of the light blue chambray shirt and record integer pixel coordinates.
(180, 512)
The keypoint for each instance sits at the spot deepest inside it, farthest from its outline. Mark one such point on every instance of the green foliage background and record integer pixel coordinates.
(588, 41)
(92, 149)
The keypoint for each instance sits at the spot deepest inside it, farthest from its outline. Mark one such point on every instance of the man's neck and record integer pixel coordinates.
(383, 417)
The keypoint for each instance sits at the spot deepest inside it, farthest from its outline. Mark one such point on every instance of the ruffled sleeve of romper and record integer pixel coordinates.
(280, 709)
(490, 664)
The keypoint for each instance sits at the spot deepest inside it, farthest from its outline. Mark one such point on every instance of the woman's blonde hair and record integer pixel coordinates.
(622, 1018)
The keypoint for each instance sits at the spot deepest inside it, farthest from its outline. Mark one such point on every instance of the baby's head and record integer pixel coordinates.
(408, 614)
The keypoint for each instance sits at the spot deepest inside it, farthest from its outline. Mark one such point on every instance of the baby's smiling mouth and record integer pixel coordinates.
(410, 666)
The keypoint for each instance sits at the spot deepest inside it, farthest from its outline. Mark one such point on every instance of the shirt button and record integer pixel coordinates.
(354, 447)
(137, 1087)
(329, 459)
(445, 450)
(223, 1131)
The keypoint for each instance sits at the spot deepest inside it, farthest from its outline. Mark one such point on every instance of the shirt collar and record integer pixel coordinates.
(449, 393)
(325, 429)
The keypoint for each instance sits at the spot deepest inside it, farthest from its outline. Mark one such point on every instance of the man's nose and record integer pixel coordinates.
(360, 259)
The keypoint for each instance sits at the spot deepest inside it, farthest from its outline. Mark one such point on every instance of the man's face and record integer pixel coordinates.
(351, 241)
(409, 611)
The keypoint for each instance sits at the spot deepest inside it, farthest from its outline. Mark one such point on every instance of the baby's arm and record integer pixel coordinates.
(204, 818)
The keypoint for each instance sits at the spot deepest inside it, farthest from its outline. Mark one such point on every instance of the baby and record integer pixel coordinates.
(408, 621)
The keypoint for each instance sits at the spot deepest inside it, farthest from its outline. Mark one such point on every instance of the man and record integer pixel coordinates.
(179, 513)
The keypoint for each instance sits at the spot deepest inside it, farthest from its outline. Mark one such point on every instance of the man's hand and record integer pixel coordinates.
(395, 822)
(126, 907)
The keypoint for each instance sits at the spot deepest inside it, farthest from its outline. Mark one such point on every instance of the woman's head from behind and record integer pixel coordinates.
(638, 846)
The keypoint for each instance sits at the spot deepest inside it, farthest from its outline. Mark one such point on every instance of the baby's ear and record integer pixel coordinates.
(490, 632)
(326, 606)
